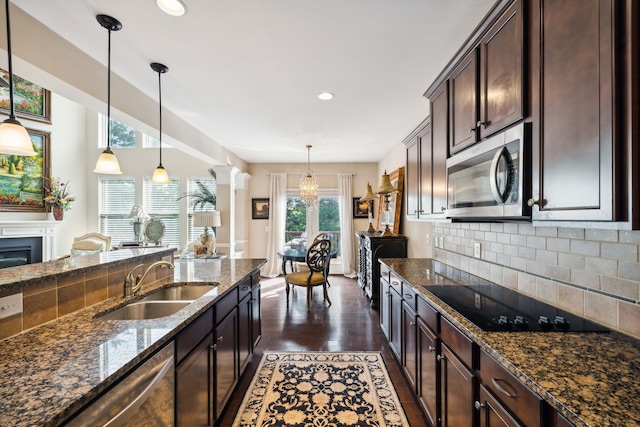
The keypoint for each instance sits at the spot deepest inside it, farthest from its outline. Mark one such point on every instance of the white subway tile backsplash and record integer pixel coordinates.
(547, 257)
(601, 235)
(619, 251)
(585, 278)
(570, 298)
(547, 231)
(526, 229)
(546, 290)
(605, 267)
(621, 287)
(527, 253)
(626, 236)
(558, 273)
(584, 247)
(571, 260)
(571, 233)
(558, 245)
(601, 309)
(536, 242)
(629, 271)
(629, 318)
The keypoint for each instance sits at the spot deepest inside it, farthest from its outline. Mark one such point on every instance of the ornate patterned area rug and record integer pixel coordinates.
(321, 389)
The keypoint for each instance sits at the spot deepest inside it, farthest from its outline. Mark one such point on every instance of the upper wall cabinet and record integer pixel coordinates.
(575, 159)
(486, 86)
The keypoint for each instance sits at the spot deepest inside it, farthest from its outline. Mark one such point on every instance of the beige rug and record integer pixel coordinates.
(317, 389)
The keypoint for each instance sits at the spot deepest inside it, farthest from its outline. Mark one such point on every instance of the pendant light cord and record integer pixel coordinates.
(12, 115)
(160, 108)
(109, 92)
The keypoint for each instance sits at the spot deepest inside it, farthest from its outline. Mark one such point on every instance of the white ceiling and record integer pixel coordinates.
(247, 72)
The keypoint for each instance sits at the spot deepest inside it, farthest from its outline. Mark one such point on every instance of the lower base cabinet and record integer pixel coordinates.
(458, 385)
(492, 413)
(428, 381)
(193, 388)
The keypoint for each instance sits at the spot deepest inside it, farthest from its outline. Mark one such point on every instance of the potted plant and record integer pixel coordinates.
(57, 197)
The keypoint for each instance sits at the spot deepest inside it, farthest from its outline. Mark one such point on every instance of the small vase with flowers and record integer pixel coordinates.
(57, 197)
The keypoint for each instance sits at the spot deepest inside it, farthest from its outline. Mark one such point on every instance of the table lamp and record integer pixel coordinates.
(386, 190)
(368, 197)
(207, 219)
(139, 216)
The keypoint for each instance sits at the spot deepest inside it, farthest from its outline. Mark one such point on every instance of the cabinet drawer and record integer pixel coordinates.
(409, 296)
(428, 314)
(255, 277)
(244, 288)
(385, 272)
(396, 283)
(190, 336)
(519, 399)
(462, 346)
(226, 305)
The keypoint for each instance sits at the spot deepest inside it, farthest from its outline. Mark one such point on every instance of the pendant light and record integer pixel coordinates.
(108, 162)
(14, 138)
(309, 184)
(160, 175)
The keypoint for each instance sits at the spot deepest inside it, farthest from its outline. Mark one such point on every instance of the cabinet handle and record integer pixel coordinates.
(532, 202)
(220, 338)
(472, 130)
(432, 349)
(412, 323)
(408, 296)
(478, 405)
(213, 347)
(388, 293)
(442, 208)
(485, 124)
(439, 358)
(495, 382)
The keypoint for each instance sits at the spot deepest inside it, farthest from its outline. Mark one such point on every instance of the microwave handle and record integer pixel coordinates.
(493, 174)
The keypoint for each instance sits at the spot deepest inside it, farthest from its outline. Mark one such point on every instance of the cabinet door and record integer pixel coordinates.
(501, 83)
(411, 183)
(395, 322)
(409, 344)
(573, 165)
(458, 384)
(226, 360)
(464, 103)
(425, 167)
(385, 308)
(256, 316)
(492, 414)
(439, 150)
(194, 386)
(245, 344)
(428, 381)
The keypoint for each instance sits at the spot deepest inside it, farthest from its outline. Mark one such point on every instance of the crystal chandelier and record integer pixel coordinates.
(309, 184)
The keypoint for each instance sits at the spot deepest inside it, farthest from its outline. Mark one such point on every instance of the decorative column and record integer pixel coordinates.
(225, 203)
(243, 213)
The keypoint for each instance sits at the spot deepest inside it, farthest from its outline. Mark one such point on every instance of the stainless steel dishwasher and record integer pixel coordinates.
(145, 397)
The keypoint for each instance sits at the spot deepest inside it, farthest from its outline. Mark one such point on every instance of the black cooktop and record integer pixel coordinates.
(492, 307)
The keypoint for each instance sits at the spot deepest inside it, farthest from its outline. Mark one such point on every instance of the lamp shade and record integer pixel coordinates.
(368, 194)
(108, 163)
(206, 219)
(14, 139)
(138, 213)
(160, 176)
(385, 185)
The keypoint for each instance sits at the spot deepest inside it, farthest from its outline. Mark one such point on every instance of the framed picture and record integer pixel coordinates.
(259, 208)
(30, 100)
(361, 209)
(21, 177)
(395, 202)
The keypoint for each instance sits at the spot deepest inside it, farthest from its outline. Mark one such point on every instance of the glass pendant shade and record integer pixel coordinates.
(14, 139)
(160, 176)
(108, 163)
(309, 185)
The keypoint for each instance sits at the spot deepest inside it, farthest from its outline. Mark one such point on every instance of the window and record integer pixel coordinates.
(122, 136)
(324, 219)
(209, 183)
(161, 202)
(150, 142)
(116, 198)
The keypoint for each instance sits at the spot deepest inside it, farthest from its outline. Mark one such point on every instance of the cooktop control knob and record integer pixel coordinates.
(504, 322)
(545, 323)
(562, 323)
(521, 323)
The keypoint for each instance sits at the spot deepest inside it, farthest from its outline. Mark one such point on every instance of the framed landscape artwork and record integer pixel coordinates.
(30, 100)
(21, 177)
(361, 209)
(395, 202)
(259, 208)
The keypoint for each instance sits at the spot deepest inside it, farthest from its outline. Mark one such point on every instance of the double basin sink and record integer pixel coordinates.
(161, 303)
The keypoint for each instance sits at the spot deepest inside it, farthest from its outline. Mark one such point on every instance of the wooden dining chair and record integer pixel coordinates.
(318, 260)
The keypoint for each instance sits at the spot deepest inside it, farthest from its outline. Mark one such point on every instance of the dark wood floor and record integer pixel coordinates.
(349, 324)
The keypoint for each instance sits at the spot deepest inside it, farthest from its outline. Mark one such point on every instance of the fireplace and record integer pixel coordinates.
(20, 251)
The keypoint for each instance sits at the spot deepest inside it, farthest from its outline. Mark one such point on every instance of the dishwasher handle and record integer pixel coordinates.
(142, 397)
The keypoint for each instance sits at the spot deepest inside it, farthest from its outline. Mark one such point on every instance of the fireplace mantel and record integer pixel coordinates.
(39, 228)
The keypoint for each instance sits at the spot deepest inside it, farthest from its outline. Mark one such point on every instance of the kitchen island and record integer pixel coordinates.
(590, 378)
(52, 371)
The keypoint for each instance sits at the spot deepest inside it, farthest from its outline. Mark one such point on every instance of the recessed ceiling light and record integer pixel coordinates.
(172, 7)
(325, 96)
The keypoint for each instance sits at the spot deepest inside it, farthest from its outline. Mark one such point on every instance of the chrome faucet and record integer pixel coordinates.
(132, 285)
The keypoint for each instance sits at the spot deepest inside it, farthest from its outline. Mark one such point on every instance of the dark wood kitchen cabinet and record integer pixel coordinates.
(409, 345)
(226, 364)
(486, 86)
(428, 369)
(391, 312)
(577, 158)
(371, 247)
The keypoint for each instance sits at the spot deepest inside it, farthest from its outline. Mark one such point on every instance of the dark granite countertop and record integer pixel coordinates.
(593, 379)
(50, 372)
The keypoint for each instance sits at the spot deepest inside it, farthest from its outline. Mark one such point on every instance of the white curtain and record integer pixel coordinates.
(277, 221)
(347, 250)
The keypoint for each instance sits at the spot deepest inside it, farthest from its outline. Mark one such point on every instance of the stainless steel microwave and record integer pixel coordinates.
(492, 179)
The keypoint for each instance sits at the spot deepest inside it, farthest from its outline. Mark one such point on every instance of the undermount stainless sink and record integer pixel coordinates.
(180, 293)
(141, 310)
